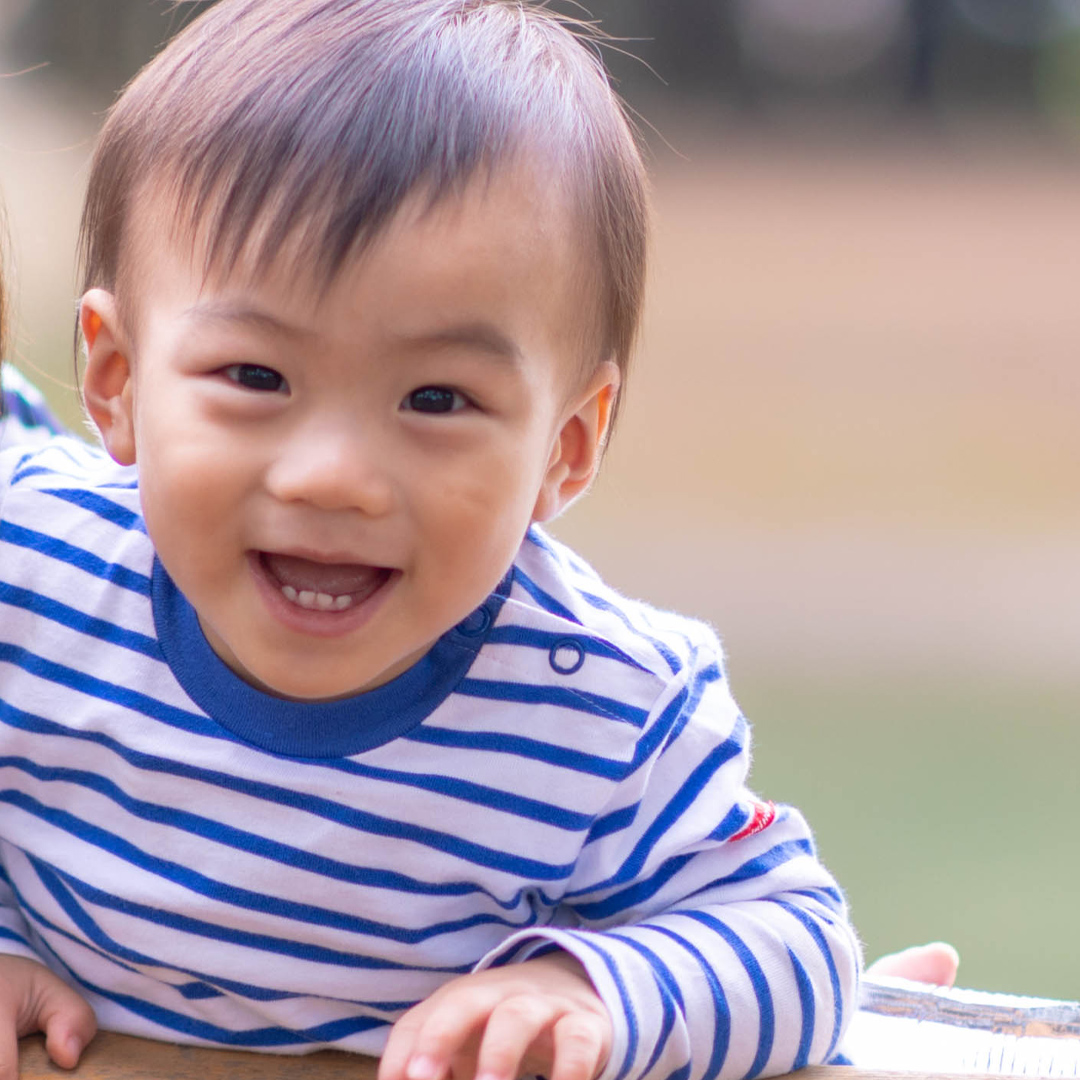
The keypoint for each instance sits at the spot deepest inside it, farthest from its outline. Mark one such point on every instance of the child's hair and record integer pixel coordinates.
(309, 121)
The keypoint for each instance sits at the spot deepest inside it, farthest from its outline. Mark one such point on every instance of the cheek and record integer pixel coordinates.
(188, 493)
(490, 497)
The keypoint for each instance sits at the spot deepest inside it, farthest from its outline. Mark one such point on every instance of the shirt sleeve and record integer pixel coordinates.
(717, 940)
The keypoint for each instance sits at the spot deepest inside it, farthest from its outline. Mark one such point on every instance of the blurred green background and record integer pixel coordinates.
(852, 440)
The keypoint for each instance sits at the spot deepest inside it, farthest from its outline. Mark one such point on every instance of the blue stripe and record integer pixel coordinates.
(120, 696)
(325, 808)
(702, 679)
(767, 1027)
(79, 621)
(769, 860)
(187, 924)
(10, 935)
(99, 506)
(247, 899)
(662, 650)
(675, 716)
(544, 599)
(30, 414)
(241, 840)
(547, 639)
(614, 822)
(520, 746)
(667, 990)
(563, 697)
(54, 548)
(522, 806)
(806, 998)
(834, 976)
(734, 820)
(683, 800)
(629, 1014)
(630, 897)
(257, 1038)
(831, 898)
(722, 1033)
(192, 991)
(107, 948)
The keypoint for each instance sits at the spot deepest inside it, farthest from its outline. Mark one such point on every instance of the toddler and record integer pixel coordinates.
(310, 736)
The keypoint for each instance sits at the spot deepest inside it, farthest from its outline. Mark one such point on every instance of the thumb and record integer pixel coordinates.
(68, 1022)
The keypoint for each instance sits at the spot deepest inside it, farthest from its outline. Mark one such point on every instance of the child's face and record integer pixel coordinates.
(334, 481)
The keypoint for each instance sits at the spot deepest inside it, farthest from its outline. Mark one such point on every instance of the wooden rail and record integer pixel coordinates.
(120, 1057)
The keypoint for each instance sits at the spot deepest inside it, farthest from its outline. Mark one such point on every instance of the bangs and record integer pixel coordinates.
(300, 126)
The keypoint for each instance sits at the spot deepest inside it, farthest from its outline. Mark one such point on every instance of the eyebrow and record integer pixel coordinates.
(229, 312)
(480, 335)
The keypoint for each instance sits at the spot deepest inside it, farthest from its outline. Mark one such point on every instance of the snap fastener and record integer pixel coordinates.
(475, 624)
(566, 656)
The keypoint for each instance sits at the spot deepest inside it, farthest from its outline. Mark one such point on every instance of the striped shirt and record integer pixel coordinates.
(565, 768)
(24, 417)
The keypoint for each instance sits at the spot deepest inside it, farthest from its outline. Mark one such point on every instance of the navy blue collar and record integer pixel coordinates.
(314, 729)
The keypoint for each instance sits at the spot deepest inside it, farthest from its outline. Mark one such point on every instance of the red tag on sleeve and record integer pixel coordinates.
(762, 815)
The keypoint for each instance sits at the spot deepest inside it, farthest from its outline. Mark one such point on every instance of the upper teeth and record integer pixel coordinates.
(316, 601)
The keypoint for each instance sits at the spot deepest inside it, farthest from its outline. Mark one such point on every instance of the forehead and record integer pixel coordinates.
(473, 253)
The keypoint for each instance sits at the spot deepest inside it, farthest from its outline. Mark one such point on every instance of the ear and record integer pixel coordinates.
(579, 444)
(108, 390)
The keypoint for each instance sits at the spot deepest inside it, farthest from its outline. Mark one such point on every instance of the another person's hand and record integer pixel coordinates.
(539, 1016)
(935, 963)
(33, 999)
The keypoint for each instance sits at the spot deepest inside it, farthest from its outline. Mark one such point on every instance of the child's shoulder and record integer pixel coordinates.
(572, 597)
(63, 464)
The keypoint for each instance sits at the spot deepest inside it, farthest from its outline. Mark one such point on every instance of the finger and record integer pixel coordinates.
(9, 1049)
(514, 1025)
(68, 1022)
(935, 964)
(399, 1046)
(581, 1042)
(449, 1026)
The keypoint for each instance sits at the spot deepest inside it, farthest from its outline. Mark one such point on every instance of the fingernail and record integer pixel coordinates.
(73, 1047)
(421, 1067)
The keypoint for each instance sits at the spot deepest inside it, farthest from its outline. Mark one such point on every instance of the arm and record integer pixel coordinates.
(714, 936)
(717, 943)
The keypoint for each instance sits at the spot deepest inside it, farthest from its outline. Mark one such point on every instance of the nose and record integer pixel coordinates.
(333, 466)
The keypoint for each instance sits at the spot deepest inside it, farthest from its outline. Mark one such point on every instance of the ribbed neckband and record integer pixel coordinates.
(325, 729)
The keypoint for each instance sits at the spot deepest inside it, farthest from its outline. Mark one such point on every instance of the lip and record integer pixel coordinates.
(327, 624)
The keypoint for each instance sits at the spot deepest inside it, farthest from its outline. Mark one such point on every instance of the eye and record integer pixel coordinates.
(434, 399)
(256, 377)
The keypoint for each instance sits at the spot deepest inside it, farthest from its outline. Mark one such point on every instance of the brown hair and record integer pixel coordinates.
(276, 120)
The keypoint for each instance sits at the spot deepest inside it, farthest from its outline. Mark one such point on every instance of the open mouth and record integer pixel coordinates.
(319, 586)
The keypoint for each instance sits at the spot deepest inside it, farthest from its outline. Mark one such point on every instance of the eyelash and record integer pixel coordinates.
(429, 400)
(435, 395)
(257, 377)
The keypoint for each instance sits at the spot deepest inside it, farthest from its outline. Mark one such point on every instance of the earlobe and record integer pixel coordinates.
(107, 380)
(579, 444)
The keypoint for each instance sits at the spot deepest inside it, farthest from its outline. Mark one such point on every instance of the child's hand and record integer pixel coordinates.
(935, 964)
(32, 998)
(541, 1016)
